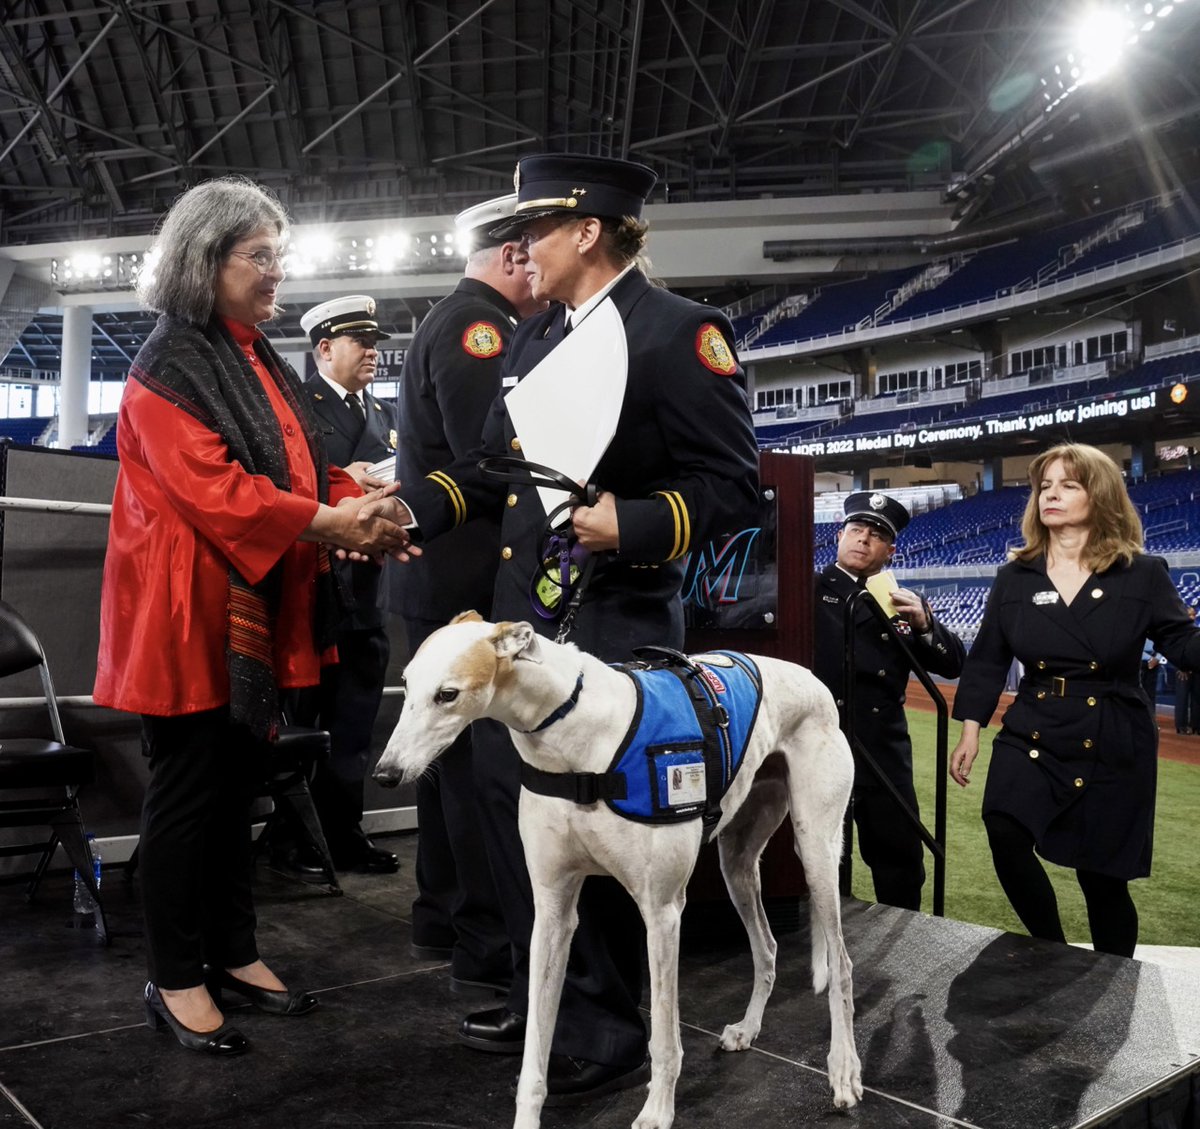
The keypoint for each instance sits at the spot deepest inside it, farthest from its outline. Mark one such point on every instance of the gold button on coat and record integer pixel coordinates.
(1079, 782)
(1041, 694)
(512, 499)
(1033, 754)
(506, 553)
(1036, 735)
(1091, 701)
(1093, 665)
(1041, 664)
(1087, 742)
(515, 443)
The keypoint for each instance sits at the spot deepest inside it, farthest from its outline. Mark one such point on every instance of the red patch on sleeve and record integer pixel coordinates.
(713, 350)
(482, 339)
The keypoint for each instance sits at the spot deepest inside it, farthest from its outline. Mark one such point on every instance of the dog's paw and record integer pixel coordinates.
(738, 1037)
(846, 1081)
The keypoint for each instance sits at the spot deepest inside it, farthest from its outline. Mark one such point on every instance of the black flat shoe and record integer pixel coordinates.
(225, 1040)
(571, 1080)
(497, 1031)
(265, 999)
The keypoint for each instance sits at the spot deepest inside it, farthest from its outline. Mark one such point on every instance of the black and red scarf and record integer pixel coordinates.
(203, 371)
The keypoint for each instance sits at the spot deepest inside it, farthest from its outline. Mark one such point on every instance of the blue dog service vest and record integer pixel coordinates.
(662, 757)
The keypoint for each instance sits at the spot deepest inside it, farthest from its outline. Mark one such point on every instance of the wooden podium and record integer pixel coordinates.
(786, 490)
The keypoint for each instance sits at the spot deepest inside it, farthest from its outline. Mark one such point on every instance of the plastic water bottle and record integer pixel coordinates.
(85, 904)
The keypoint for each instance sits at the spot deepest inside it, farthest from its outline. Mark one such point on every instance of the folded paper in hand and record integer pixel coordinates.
(565, 410)
(384, 469)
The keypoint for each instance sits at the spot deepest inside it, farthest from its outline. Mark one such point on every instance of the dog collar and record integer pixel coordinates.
(562, 710)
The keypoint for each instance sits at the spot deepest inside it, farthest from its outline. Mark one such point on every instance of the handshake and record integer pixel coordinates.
(367, 528)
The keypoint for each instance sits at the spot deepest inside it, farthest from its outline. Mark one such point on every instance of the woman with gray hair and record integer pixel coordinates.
(217, 591)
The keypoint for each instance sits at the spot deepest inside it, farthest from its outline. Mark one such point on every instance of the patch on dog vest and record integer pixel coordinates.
(680, 715)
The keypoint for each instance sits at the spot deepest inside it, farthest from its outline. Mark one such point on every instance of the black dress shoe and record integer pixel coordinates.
(225, 1040)
(265, 999)
(497, 1031)
(368, 859)
(307, 863)
(571, 1080)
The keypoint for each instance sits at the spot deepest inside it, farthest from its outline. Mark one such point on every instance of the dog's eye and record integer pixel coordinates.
(444, 696)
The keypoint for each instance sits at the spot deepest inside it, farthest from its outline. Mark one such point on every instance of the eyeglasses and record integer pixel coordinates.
(263, 260)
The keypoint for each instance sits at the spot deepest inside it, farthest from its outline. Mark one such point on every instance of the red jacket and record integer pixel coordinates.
(182, 514)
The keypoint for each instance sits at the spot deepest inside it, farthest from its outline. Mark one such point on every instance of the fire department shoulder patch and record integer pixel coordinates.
(713, 351)
(482, 339)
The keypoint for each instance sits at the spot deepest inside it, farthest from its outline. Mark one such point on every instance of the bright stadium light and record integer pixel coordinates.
(1100, 39)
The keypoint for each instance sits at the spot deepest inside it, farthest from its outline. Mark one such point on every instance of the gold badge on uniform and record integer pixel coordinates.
(713, 351)
(392, 437)
(482, 339)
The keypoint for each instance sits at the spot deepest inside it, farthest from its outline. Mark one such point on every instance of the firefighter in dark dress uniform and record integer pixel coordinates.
(887, 839)
(358, 430)
(1074, 766)
(451, 376)
(681, 466)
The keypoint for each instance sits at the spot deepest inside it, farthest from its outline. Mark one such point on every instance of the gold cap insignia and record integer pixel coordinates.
(371, 307)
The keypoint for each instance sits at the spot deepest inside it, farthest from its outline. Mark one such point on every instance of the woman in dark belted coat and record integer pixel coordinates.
(1074, 766)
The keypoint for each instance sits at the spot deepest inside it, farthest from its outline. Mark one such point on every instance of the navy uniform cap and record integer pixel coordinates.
(551, 184)
(353, 314)
(876, 509)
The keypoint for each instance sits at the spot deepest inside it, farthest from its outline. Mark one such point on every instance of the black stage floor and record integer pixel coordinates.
(956, 1025)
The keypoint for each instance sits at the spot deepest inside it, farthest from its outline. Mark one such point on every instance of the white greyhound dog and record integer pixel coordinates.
(796, 760)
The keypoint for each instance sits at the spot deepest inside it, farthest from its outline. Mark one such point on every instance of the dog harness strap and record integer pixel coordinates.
(579, 787)
(562, 711)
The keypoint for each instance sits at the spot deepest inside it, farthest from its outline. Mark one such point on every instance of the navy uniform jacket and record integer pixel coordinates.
(882, 672)
(377, 441)
(1076, 759)
(683, 465)
(451, 376)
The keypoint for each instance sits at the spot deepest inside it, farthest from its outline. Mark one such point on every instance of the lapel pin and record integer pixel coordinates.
(1097, 593)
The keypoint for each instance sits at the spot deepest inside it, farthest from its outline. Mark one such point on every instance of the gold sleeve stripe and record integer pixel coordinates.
(456, 498)
(683, 528)
(686, 541)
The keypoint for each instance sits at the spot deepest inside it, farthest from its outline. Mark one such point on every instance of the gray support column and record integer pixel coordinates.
(993, 473)
(76, 373)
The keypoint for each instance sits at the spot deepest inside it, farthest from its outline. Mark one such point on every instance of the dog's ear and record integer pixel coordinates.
(467, 617)
(516, 641)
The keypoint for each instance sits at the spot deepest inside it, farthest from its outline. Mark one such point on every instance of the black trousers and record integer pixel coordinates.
(598, 1017)
(345, 704)
(890, 845)
(457, 905)
(194, 852)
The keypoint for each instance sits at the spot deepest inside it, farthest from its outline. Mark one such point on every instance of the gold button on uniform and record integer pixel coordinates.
(1079, 782)
(1041, 694)
(1093, 665)
(1091, 701)
(1033, 754)
(512, 500)
(515, 443)
(883, 674)
(1087, 742)
(506, 553)
(1036, 735)
(1041, 664)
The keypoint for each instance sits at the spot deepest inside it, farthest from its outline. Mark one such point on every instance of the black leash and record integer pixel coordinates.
(508, 468)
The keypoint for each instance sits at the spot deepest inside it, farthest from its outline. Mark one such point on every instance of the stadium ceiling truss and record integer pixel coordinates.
(354, 109)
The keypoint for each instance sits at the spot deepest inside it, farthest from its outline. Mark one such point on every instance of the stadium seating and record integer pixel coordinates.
(25, 430)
